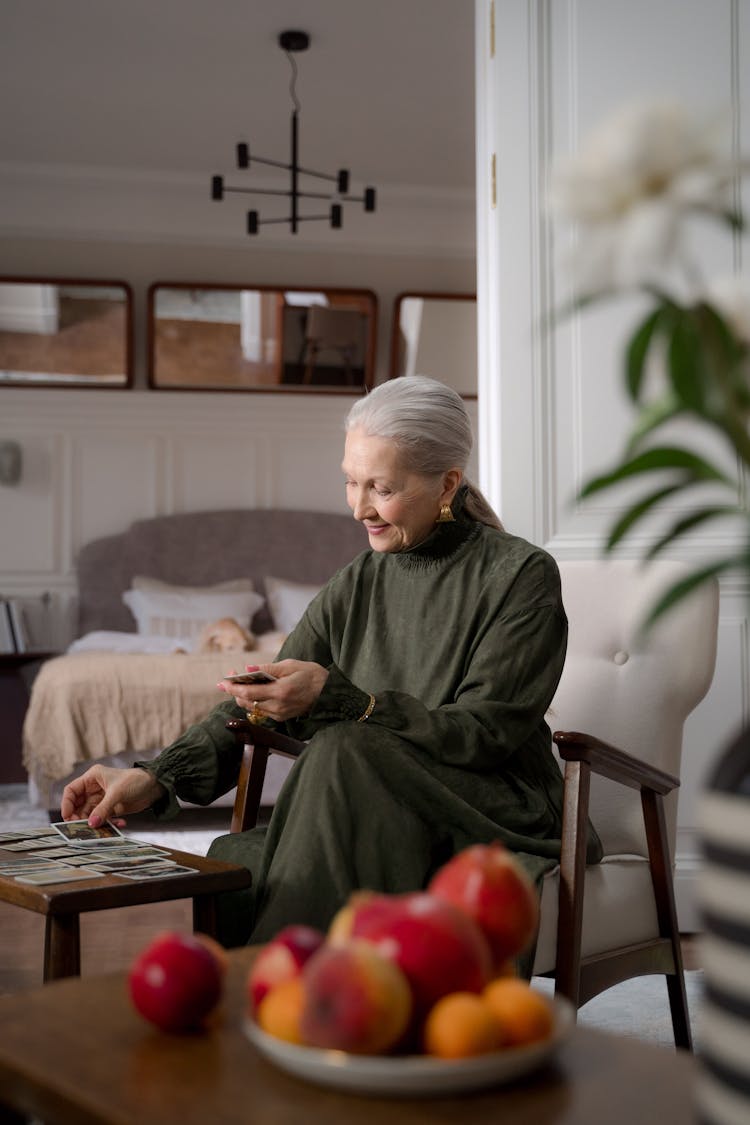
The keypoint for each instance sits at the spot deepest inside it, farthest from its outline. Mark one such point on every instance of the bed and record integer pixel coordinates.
(135, 676)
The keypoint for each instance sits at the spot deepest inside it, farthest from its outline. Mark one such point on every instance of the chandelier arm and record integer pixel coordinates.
(288, 168)
(300, 219)
(284, 191)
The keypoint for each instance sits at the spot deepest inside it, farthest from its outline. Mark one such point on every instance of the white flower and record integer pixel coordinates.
(631, 185)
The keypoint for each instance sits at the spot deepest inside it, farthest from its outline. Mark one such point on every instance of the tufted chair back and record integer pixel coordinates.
(631, 690)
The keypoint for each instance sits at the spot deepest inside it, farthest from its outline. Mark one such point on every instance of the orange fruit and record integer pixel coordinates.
(524, 1014)
(460, 1025)
(280, 1010)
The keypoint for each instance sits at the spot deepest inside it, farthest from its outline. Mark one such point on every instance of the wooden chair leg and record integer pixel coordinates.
(572, 874)
(666, 911)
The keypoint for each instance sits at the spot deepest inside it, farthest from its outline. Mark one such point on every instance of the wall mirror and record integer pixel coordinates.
(65, 333)
(234, 338)
(436, 334)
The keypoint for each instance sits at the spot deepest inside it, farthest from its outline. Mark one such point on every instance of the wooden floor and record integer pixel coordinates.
(110, 939)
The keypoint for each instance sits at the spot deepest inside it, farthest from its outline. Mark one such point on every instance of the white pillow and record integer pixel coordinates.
(168, 613)
(288, 601)
(105, 640)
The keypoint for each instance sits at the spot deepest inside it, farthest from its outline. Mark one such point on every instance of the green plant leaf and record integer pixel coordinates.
(664, 457)
(687, 523)
(685, 363)
(651, 417)
(636, 512)
(637, 351)
(682, 589)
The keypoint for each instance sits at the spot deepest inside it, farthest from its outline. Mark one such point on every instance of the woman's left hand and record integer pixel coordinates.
(294, 692)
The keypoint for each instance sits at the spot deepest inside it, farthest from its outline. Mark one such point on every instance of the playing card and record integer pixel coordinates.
(56, 875)
(158, 871)
(81, 833)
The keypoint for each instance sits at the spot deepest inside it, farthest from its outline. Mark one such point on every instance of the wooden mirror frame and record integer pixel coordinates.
(396, 365)
(67, 350)
(285, 321)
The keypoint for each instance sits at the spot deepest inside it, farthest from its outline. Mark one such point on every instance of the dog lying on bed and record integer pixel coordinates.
(225, 635)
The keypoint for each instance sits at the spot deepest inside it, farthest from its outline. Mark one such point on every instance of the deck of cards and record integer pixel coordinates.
(68, 851)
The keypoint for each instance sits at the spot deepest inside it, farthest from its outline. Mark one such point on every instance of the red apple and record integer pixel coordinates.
(438, 947)
(355, 999)
(281, 959)
(176, 981)
(489, 883)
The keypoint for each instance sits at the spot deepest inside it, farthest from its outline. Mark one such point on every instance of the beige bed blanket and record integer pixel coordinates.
(88, 705)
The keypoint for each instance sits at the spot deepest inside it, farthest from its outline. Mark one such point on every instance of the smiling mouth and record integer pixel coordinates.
(376, 527)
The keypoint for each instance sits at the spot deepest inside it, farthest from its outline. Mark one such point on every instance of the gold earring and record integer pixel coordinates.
(446, 514)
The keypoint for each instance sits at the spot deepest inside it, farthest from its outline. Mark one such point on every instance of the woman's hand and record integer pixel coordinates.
(294, 692)
(104, 793)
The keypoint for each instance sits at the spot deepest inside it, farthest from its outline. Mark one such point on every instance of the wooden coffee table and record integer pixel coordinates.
(75, 1052)
(63, 903)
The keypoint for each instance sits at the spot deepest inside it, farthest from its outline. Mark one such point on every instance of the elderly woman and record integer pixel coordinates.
(420, 675)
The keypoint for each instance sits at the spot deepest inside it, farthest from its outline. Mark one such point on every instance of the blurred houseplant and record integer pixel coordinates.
(632, 190)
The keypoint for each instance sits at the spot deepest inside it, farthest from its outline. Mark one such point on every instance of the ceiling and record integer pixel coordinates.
(163, 87)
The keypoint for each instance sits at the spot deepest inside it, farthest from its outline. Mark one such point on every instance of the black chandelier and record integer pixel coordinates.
(291, 42)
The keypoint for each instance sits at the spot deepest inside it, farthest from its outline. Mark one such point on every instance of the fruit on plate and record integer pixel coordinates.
(355, 999)
(436, 945)
(281, 959)
(176, 981)
(524, 1014)
(279, 1013)
(488, 883)
(461, 1025)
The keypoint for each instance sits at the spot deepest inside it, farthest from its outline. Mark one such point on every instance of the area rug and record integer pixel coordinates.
(637, 1008)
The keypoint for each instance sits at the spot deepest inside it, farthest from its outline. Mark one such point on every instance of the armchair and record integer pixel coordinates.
(603, 924)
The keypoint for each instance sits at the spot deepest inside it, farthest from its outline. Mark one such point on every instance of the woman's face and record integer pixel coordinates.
(398, 507)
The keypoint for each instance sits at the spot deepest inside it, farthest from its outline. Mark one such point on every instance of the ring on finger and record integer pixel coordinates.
(255, 714)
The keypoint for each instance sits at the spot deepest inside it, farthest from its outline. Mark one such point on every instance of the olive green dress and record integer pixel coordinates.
(461, 640)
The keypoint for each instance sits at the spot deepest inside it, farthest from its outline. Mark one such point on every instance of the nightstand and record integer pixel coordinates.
(14, 699)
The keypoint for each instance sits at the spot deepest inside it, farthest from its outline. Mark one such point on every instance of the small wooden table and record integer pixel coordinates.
(63, 903)
(75, 1052)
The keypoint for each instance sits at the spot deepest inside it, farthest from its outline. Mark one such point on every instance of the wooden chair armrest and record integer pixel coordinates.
(260, 735)
(257, 742)
(613, 763)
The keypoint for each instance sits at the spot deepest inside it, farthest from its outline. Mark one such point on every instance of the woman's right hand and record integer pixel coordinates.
(104, 793)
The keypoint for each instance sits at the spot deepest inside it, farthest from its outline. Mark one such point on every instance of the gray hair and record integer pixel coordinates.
(428, 422)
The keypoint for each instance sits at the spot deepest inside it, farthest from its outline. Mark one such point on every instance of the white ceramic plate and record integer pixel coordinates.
(412, 1075)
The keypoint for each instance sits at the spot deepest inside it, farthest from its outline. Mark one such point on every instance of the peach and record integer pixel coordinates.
(489, 884)
(438, 947)
(355, 999)
(281, 959)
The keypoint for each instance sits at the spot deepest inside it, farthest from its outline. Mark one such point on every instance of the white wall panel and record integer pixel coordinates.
(216, 469)
(30, 542)
(114, 482)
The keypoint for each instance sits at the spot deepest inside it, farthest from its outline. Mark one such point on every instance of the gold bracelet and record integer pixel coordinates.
(368, 710)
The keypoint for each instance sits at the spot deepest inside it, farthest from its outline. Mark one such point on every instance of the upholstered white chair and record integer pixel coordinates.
(630, 694)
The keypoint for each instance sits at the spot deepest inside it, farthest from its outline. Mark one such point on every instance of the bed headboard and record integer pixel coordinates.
(201, 548)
